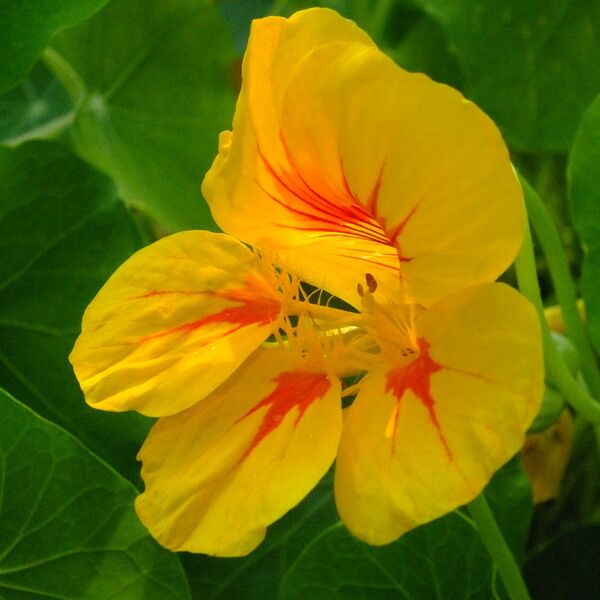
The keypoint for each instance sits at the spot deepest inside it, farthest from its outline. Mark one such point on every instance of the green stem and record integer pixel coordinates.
(557, 370)
(552, 247)
(494, 541)
(65, 72)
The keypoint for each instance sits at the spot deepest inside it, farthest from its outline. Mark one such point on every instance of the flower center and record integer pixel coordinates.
(390, 324)
(338, 341)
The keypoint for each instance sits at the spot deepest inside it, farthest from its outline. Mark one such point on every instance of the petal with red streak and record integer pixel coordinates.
(422, 174)
(218, 474)
(381, 170)
(255, 191)
(424, 438)
(172, 323)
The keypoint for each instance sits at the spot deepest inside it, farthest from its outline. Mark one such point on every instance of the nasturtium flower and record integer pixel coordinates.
(347, 177)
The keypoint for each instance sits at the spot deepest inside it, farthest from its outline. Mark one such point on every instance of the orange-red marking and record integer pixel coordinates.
(323, 214)
(294, 389)
(339, 216)
(416, 377)
(253, 307)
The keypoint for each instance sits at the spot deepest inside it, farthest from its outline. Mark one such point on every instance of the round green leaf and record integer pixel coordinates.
(425, 49)
(584, 164)
(528, 64)
(259, 575)
(151, 83)
(309, 554)
(584, 191)
(63, 231)
(26, 26)
(67, 525)
(441, 560)
(37, 108)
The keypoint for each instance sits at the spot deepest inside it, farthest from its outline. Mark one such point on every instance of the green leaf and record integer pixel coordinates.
(258, 575)
(239, 15)
(26, 26)
(67, 525)
(528, 64)
(38, 107)
(424, 49)
(309, 554)
(150, 80)
(443, 559)
(583, 169)
(63, 231)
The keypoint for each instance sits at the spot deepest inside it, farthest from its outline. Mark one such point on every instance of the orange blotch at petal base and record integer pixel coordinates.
(251, 306)
(416, 378)
(295, 389)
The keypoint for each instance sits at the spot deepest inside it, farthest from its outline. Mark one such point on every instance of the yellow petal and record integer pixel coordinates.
(254, 190)
(172, 323)
(380, 170)
(423, 439)
(275, 47)
(219, 473)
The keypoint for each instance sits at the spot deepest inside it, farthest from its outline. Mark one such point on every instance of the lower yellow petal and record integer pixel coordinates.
(219, 473)
(172, 323)
(424, 438)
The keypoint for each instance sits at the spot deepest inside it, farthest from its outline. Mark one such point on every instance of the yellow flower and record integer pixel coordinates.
(383, 188)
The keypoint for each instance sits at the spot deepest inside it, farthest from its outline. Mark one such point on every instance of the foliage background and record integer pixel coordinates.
(109, 117)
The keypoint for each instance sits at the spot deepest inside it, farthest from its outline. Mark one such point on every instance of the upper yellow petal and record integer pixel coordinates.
(219, 473)
(172, 323)
(275, 48)
(424, 438)
(340, 152)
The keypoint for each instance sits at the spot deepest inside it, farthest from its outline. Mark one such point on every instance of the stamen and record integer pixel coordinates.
(390, 324)
(371, 282)
(339, 341)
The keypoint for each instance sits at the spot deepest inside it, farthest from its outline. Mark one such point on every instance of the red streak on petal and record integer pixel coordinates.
(416, 377)
(373, 201)
(396, 231)
(344, 216)
(253, 307)
(294, 389)
(317, 213)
